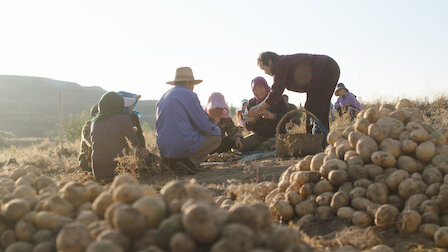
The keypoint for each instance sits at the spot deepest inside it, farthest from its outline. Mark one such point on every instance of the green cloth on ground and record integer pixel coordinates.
(256, 142)
(111, 103)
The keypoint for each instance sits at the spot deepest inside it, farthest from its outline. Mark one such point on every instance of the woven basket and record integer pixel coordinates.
(299, 144)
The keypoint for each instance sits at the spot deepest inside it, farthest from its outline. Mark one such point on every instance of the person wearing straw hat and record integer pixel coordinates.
(315, 75)
(346, 101)
(185, 135)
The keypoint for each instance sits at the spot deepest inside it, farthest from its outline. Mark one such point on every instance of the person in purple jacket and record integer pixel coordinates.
(185, 135)
(347, 101)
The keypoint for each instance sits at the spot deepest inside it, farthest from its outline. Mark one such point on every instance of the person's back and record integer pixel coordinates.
(108, 141)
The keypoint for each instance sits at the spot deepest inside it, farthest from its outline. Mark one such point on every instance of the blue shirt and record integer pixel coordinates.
(181, 123)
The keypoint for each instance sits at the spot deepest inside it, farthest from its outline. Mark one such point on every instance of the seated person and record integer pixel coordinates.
(265, 123)
(218, 112)
(130, 101)
(110, 131)
(185, 135)
(241, 113)
(346, 102)
(290, 105)
(85, 152)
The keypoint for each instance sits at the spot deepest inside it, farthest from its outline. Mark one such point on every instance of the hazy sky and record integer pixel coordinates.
(385, 49)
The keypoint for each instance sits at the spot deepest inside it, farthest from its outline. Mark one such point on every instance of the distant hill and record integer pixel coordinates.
(29, 106)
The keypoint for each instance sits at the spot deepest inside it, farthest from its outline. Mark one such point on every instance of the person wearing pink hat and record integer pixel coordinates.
(218, 112)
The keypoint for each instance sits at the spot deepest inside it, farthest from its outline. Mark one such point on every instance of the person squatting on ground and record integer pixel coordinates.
(185, 135)
(85, 152)
(317, 75)
(265, 121)
(110, 131)
(347, 102)
(218, 112)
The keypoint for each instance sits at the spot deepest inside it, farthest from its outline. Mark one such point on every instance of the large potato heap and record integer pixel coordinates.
(39, 215)
(387, 170)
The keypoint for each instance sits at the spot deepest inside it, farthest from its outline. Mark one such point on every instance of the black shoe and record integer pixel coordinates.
(179, 165)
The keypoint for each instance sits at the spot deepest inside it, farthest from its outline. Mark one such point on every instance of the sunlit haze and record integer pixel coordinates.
(385, 49)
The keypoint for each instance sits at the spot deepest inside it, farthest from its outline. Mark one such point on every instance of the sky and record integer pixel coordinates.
(385, 49)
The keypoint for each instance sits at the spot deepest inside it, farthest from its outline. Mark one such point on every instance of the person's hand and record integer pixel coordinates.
(253, 113)
(239, 143)
(267, 115)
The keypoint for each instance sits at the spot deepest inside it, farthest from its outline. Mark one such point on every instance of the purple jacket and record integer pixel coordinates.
(181, 123)
(348, 99)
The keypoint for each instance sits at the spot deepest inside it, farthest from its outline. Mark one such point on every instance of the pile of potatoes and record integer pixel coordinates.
(388, 170)
(38, 214)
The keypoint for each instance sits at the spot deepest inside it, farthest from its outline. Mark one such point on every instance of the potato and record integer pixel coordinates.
(173, 190)
(24, 231)
(358, 192)
(270, 196)
(16, 209)
(127, 193)
(283, 237)
(195, 191)
(391, 126)
(330, 150)
(376, 132)
(87, 217)
(404, 103)
(153, 208)
(362, 125)
(441, 237)
(361, 219)
(383, 159)
(365, 147)
(353, 138)
(362, 183)
(391, 146)
(129, 221)
(442, 149)
(323, 186)
(346, 187)
(148, 239)
(323, 214)
(42, 236)
(199, 224)
(432, 175)
(433, 190)
(377, 193)
(59, 206)
(431, 218)
(409, 221)
(372, 114)
(293, 187)
(75, 193)
(24, 180)
(102, 202)
(103, 246)
(349, 154)
(116, 237)
(302, 177)
(408, 146)
(51, 221)
(373, 170)
(293, 198)
(337, 177)
(283, 185)
(333, 136)
(25, 191)
(282, 210)
(124, 178)
(324, 199)
(7, 238)
(307, 189)
(334, 164)
(443, 199)
(97, 227)
(414, 201)
(347, 131)
(338, 200)
(439, 159)
(181, 242)
(425, 151)
(317, 161)
(438, 138)
(240, 235)
(411, 186)
(20, 247)
(44, 247)
(73, 237)
(356, 172)
(428, 230)
(345, 212)
(386, 216)
(342, 149)
(360, 203)
(419, 135)
(407, 163)
(305, 207)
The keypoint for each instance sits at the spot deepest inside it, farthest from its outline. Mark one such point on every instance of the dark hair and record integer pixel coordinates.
(265, 57)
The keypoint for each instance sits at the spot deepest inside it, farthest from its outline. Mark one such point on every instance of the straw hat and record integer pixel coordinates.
(339, 87)
(184, 74)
